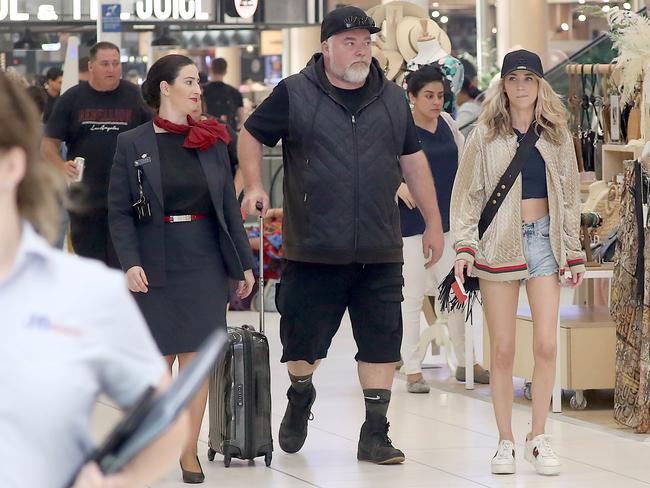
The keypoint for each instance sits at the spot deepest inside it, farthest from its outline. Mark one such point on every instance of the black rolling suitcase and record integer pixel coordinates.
(240, 391)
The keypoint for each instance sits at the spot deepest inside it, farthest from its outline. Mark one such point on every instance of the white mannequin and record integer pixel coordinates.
(429, 48)
(429, 51)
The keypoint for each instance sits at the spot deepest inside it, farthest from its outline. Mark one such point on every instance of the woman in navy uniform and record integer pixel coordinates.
(176, 224)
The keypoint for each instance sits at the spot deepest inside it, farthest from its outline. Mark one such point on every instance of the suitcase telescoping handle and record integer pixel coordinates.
(260, 291)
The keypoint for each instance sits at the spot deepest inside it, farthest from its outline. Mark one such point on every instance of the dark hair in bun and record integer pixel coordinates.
(165, 69)
(469, 88)
(417, 80)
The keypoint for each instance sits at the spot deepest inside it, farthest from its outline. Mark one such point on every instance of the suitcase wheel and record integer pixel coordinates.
(267, 459)
(211, 453)
(226, 460)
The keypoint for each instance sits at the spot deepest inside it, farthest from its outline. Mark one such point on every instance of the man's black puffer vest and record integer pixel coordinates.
(341, 171)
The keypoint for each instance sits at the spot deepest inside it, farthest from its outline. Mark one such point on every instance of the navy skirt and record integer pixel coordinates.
(192, 304)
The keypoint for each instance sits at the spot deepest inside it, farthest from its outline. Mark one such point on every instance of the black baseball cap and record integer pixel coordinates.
(346, 18)
(524, 60)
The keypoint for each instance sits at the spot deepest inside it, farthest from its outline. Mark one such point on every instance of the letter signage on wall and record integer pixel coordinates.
(131, 10)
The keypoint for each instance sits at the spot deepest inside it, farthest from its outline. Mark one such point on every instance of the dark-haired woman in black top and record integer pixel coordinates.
(176, 224)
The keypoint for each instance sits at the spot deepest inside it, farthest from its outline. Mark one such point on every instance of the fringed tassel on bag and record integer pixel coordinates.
(448, 300)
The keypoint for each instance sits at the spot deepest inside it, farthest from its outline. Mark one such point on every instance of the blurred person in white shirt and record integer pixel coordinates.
(71, 331)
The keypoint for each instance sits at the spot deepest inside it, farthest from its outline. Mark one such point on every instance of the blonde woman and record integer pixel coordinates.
(533, 237)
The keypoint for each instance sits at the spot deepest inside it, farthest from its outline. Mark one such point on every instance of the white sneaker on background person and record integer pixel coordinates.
(503, 461)
(540, 454)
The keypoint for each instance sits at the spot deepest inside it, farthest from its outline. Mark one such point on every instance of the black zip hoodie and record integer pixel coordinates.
(342, 170)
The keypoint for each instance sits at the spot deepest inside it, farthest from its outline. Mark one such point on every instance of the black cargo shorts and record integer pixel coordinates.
(312, 299)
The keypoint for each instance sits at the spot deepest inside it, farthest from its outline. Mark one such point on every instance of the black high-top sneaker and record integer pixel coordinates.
(375, 445)
(293, 429)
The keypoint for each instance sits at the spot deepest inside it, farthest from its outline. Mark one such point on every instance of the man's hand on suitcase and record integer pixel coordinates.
(246, 287)
(91, 477)
(253, 197)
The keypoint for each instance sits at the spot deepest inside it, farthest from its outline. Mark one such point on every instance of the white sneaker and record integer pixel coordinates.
(540, 454)
(503, 461)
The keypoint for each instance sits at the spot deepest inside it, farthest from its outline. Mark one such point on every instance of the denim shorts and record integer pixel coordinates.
(537, 248)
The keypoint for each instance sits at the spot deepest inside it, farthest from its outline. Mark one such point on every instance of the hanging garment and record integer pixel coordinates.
(630, 310)
(591, 131)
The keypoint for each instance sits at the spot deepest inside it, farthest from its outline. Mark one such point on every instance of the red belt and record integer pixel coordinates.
(183, 218)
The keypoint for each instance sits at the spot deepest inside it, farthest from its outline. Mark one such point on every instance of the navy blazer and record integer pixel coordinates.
(141, 243)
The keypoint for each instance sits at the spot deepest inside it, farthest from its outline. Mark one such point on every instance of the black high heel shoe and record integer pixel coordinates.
(192, 477)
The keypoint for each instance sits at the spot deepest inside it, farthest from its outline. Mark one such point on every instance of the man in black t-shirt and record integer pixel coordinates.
(88, 118)
(347, 138)
(222, 100)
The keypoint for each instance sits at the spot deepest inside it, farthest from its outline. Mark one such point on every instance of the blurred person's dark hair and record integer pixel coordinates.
(219, 66)
(39, 96)
(83, 64)
(40, 80)
(41, 190)
(203, 78)
(53, 73)
(469, 69)
(470, 88)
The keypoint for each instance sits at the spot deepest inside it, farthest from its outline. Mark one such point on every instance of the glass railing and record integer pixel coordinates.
(598, 51)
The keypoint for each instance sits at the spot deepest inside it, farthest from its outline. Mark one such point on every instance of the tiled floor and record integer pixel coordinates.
(448, 437)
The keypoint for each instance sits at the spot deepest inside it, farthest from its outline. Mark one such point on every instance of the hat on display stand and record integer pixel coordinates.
(403, 25)
(414, 34)
(407, 9)
(379, 55)
(395, 64)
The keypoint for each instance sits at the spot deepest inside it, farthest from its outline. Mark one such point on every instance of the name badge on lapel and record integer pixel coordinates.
(144, 159)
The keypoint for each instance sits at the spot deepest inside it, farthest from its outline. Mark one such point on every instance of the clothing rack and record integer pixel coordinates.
(600, 69)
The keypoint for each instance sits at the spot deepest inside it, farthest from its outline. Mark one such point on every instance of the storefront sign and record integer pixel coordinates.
(175, 9)
(111, 21)
(147, 10)
(10, 8)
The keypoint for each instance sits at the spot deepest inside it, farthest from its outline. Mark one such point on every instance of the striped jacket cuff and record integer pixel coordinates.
(466, 253)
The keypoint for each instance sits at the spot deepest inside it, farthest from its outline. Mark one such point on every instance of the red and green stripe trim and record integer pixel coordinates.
(503, 269)
(468, 250)
(576, 262)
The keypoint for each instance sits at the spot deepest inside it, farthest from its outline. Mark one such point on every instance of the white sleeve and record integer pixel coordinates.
(129, 361)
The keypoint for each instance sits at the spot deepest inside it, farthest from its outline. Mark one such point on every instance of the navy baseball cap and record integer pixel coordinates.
(522, 60)
(346, 18)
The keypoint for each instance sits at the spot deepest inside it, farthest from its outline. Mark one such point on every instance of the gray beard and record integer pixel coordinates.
(352, 74)
(356, 74)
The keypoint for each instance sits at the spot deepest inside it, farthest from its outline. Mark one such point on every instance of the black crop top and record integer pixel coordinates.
(533, 174)
(185, 189)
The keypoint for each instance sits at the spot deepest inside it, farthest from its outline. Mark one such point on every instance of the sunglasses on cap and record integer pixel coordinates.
(355, 21)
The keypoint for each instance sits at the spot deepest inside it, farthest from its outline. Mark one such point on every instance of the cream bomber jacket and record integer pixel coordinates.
(499, 256)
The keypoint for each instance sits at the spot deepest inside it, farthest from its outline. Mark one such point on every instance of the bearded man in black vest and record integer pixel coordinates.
(348, 139)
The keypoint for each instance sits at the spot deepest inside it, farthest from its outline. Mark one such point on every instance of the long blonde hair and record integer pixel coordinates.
(550, 113)
(40, 193)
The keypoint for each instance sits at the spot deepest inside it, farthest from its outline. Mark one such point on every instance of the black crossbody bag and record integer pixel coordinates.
(447, 303)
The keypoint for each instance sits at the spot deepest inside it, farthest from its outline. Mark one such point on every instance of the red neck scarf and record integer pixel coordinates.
(201, 134)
